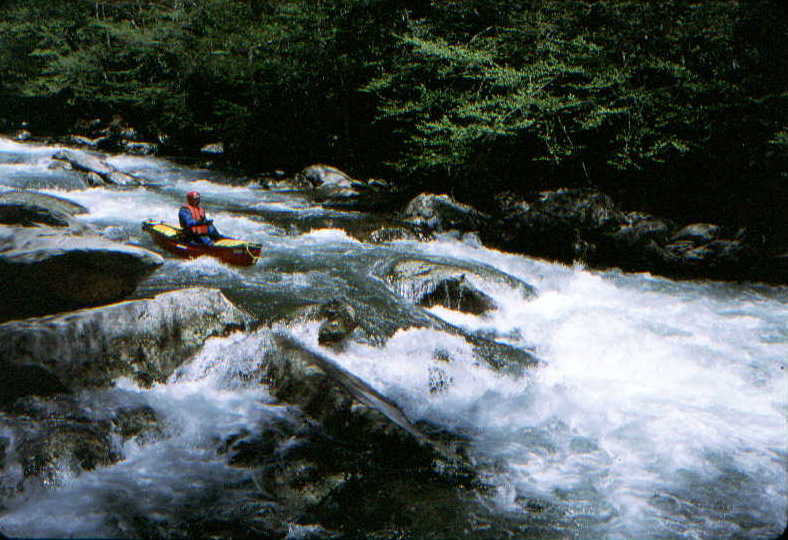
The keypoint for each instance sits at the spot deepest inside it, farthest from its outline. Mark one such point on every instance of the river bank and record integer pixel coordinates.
(568, 225)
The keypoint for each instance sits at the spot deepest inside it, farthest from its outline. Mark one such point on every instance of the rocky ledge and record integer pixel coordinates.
(585, 225)
(142, 339)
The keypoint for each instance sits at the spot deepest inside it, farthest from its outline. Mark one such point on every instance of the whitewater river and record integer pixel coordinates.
(659, 410)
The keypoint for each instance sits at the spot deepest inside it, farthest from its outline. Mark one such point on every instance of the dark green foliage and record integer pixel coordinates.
(675, 106)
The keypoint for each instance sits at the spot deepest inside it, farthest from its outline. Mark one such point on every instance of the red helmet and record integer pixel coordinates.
(193, 197)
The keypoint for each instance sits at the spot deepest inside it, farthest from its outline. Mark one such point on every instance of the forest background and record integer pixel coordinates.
(674, 107)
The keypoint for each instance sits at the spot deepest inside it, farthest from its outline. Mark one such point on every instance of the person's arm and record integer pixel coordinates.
(186, 219)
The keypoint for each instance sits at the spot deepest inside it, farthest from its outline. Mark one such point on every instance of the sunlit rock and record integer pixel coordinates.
(142, 339)
(88, 163)
(140, 148)
(46, 270)
(213, 149)
(394, 234)
(336, 189)
(697, 233)
(442, 213)
(329, 183)
(428, 283)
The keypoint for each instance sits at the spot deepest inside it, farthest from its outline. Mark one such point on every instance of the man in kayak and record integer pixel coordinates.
(198, 230)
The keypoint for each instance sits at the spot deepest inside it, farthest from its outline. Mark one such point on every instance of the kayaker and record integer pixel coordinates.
(192, 218)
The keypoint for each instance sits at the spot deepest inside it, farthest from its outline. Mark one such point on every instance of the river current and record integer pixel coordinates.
(659, 409)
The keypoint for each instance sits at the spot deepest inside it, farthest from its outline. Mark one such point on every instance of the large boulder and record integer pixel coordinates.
(567, 224)
(640, 230)
(142, 339)
(363, 448)
(329, 183)
(428, 283)
(440, 213)
(697, 233)
(46, 270)
(96, 168)
(335, 188)
(30, 207)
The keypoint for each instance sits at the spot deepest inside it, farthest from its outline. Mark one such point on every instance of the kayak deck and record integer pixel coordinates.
(229, 250)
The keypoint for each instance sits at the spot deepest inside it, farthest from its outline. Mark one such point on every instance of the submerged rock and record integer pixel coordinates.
(28, 208)
(46, 271)
(142, 339)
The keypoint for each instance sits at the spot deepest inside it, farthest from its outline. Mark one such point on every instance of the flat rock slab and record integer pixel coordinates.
(45, 271)
(28, 208)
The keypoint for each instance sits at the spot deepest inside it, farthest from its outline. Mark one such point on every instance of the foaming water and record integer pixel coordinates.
(658, 411)
(209, 399)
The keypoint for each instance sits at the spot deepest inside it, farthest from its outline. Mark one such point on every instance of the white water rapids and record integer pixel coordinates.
(660, 408)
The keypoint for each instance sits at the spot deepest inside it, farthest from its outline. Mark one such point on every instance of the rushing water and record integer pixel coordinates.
(659, 409)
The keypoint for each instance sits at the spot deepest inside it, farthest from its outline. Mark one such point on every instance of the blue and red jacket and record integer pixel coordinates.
(192, 219)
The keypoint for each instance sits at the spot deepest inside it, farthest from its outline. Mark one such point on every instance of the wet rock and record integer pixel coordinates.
(136, 422)
(23, 135)
(97, 143)
(429, 283)
(213, 149)
(4, 443)
(88, 163)
(20, 380)
(142, 339)
(361, 448)
(46, 271)
(566, 224)
(140, 148)
(393, 234)
(339, 324)
(64, 450)
(439, 380)
(697, 233)
(28, 208)
(719, 258)
(640, 230)
(442, 213)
